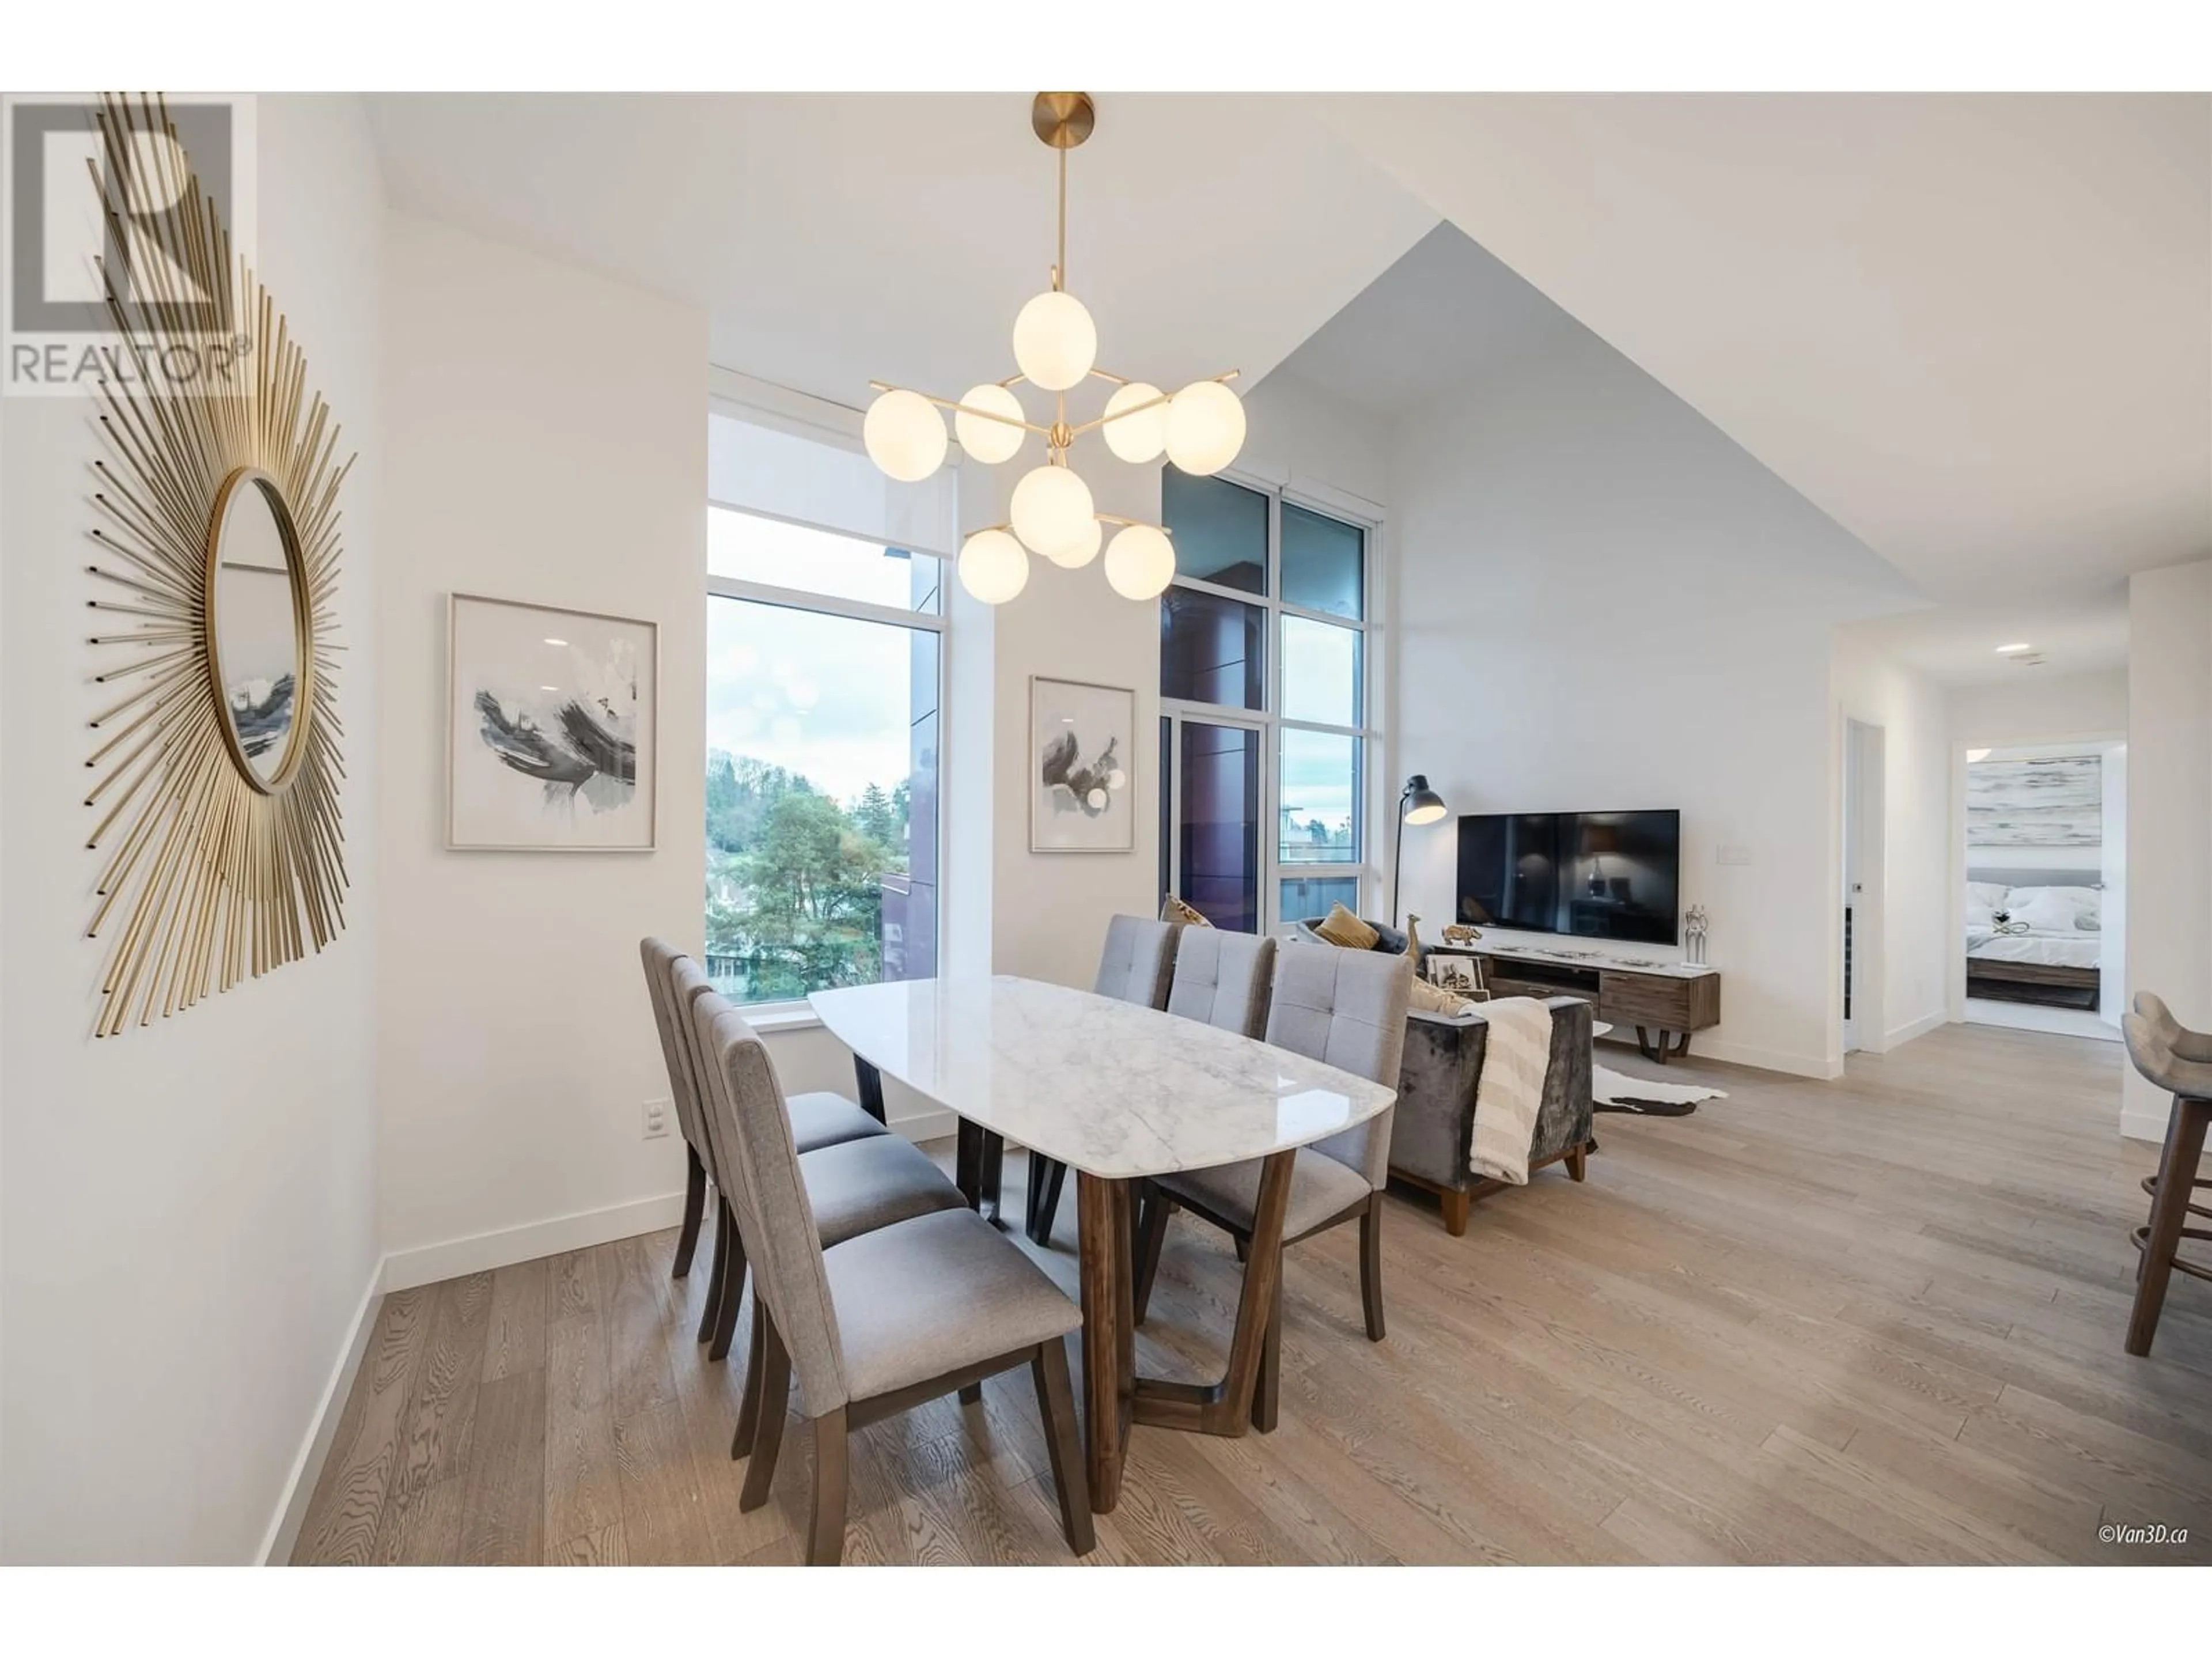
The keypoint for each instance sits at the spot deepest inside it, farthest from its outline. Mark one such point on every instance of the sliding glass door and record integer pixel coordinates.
(1213, 788)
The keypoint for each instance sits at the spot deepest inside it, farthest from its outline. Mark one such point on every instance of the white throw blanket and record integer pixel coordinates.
(1510, 1091)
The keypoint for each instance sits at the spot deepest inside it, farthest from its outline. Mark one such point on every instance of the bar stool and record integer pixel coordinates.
(2157, 1055)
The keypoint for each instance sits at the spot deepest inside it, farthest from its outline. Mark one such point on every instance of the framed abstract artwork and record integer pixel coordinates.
(551, 722)
(1082, 740)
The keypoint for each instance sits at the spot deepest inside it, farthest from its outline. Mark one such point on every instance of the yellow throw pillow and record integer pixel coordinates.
(1340, 927)
(1176, 910)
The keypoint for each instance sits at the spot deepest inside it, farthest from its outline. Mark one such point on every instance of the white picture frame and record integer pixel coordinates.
(1082, 776)
(546, 709)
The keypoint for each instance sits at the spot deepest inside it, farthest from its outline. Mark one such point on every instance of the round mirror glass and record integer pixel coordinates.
(258, 650)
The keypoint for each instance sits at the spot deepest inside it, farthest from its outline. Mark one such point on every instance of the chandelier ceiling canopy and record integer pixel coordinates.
(1199, 428)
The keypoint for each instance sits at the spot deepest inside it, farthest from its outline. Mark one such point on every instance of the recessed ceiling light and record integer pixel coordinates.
(2003, 650)
(555, 641)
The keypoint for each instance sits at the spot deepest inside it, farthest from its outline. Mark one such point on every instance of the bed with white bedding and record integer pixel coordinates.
(2034, 936)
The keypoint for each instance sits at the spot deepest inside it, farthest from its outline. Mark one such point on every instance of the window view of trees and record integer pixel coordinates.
(795, 879)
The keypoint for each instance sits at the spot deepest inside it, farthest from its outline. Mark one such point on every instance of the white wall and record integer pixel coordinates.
(545, 440)
(2033, 709)
(189, 1208)
(2169, 853)
(1603, 603)
(1914, 900)
(1049, 911)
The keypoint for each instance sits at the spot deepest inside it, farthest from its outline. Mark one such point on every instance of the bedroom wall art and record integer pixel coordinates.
(217, 569)
(1082, 739)
(552, 723)
(2058, 802)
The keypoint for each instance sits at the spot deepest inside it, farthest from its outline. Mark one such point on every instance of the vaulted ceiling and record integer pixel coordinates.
(1973, 330)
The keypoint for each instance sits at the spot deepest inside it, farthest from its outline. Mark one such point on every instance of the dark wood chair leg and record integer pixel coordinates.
(825, 1533)
(695, 1207)
(1578, 1161)
(723, 1233)
(971, 1393)
(1457, 1203)
(741, 1443)
(1047, 1176)
(1069, 1483)
(1243, 1248)
(1371, 1267)
(774, 1399)
(2169, 1213)
(1151, 1233)
(733, 1291)
(1267, 1388)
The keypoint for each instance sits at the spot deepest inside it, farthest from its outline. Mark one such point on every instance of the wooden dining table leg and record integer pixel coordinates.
(1109, 1336)
(871, 1083)
(979, 1157)
(1226, 1407)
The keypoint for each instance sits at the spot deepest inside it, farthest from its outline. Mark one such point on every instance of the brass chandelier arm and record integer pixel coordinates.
(960, 407)
(1138, 409)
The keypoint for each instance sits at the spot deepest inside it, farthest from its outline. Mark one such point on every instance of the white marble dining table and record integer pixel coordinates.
(1118, 1093)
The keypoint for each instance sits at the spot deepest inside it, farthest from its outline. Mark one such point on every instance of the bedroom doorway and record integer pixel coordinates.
(2045, 887)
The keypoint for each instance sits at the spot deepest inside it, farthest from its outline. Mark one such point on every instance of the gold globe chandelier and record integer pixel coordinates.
(1199, 428)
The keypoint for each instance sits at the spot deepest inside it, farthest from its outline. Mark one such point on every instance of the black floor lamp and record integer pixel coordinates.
(1417, 804)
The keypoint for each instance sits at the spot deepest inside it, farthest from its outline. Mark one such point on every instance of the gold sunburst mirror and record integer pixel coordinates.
(217, 501)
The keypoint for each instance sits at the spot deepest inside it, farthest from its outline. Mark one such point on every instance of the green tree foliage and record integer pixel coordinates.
(794, 900)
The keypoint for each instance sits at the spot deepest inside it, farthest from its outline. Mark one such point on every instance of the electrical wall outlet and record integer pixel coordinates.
(656, 1119)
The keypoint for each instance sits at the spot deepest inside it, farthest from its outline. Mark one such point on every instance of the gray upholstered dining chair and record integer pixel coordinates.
(2189, 1079)
(1223, 979)
(881, 1323)
(656, 955)
(1346, 1009)
(1136, 964)
(867, 1180)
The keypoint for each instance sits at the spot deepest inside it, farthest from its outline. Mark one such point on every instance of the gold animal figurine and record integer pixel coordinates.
(1459, 934)
(1413, 940)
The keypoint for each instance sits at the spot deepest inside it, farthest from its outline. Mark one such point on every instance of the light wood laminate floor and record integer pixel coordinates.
(1877, 1320)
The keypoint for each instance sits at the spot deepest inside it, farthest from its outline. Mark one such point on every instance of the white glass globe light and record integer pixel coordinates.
(989, 441)
(1052, 512)
(993, 566)
(1055, 342)
(1086, 551)
(905, 435)
(1205, 427)
(1139, 563)
(1136, 438)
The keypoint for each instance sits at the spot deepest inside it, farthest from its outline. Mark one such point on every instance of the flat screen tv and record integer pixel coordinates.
(1594, 875)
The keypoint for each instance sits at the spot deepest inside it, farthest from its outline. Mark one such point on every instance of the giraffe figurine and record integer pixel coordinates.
(1413, 941)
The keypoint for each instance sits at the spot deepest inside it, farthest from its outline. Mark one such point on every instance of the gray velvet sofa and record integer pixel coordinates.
(1443, 1063)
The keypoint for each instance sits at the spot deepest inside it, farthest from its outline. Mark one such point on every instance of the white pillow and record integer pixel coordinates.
(1987, 894)
(1979, 913)
(2045, 909)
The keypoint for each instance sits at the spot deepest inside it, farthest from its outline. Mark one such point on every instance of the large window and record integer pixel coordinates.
(1265, 738)
(824, 675)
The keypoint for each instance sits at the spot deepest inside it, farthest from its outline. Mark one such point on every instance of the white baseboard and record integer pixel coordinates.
(1917, 1028)
(429, 1263)
(426, 1264)
(924, 1126)
(307, 1468)
(2144, 1126)
(1737, 1054)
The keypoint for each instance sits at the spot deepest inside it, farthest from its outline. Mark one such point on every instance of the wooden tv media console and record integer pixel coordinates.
(1665, 1001)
